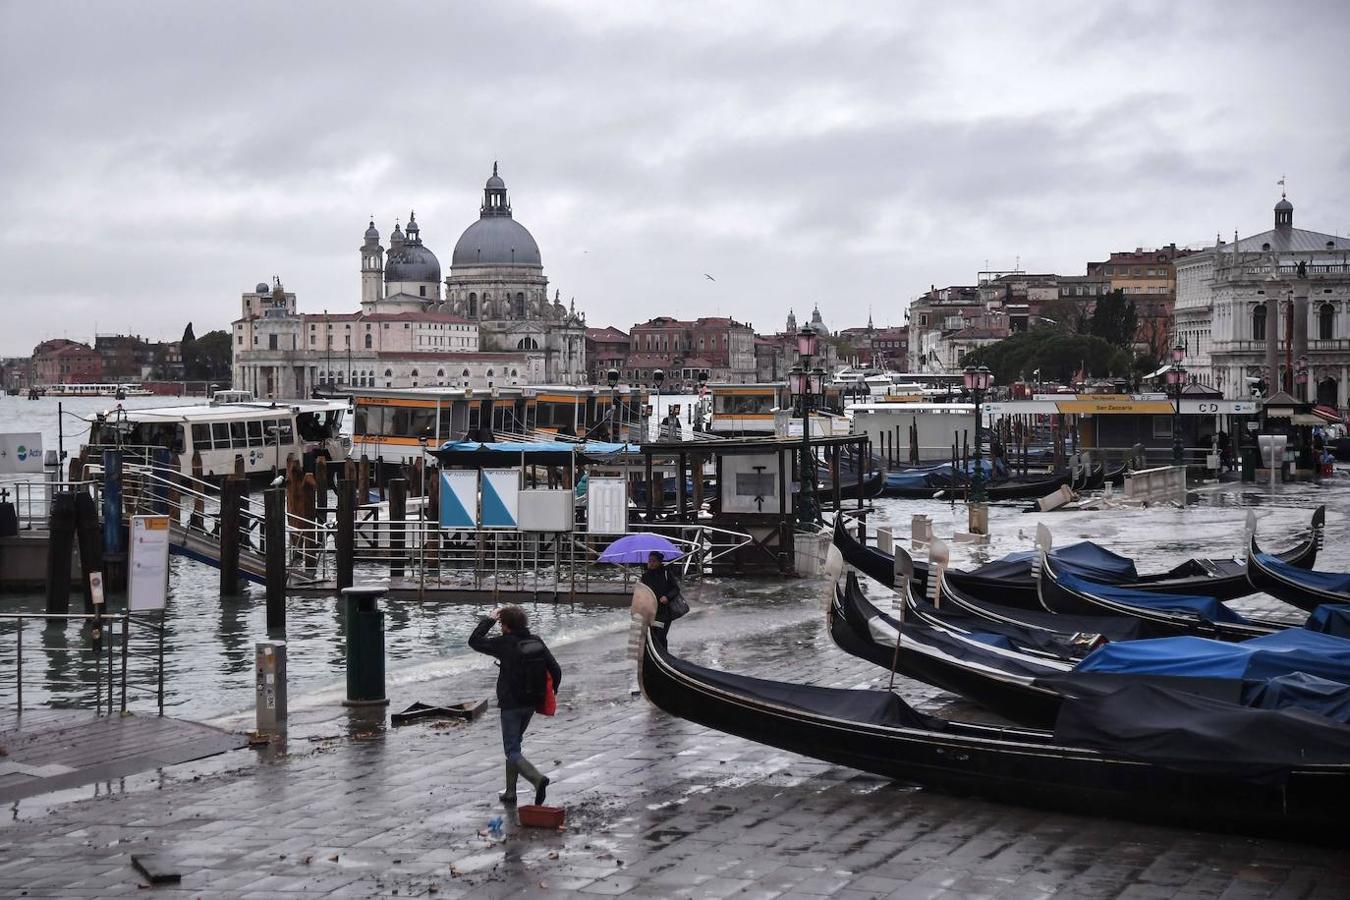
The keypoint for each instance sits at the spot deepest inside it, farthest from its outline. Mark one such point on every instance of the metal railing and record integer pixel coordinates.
(109, 648)
(414, 547)
(32, 499)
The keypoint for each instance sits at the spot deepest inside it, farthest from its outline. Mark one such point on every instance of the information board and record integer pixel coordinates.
(20, 453)
(501, 492)
(459, 498)
(606, 505)
(148, 578)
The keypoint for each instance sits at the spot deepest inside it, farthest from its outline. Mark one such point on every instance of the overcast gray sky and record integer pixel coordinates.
(156, 159)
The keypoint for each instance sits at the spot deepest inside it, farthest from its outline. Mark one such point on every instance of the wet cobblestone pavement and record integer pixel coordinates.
(657, 807)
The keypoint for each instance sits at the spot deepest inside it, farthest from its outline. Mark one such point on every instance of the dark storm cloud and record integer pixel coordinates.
(157, 158)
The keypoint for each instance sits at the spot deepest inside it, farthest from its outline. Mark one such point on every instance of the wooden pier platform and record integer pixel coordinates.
(48, 750)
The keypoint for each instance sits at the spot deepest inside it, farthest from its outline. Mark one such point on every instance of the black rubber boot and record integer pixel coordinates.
(512, 774)
(534, 777)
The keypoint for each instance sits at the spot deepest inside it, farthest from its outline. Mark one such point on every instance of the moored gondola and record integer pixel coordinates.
(1140, 752)
(1063, 591)
(1003, 680)
(1299, 587)
(1113, 628)
(1011, 582)
(1294, 668)
(873, 484)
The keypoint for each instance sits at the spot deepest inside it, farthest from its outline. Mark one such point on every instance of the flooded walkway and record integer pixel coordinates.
(657, 807)
(51, 750)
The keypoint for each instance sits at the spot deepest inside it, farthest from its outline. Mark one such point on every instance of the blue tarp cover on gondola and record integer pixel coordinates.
(1258, 659)
(1332, 582)
(1084, 557)
(1192, 733)
(1206, 608)
(1301, 691)
(1330, 618)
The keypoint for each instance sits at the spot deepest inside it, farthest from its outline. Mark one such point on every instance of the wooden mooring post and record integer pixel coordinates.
(345, 549)
(363, 481)
(398, 513)
(60, 546)
(90, 542)
(231, 501)
(274, 508)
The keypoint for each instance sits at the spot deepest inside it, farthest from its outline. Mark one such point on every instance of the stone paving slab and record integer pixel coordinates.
(657, 807)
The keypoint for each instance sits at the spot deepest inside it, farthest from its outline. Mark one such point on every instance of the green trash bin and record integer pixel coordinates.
(365, 647)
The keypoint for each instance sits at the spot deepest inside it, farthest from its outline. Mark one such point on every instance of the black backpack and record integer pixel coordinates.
(533, 668)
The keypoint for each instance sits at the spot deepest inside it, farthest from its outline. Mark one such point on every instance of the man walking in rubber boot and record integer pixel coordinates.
(525, 663)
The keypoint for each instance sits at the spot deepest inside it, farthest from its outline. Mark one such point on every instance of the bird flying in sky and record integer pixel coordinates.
(709, 277)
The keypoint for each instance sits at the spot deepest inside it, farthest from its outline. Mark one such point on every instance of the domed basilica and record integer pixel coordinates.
(496, 280)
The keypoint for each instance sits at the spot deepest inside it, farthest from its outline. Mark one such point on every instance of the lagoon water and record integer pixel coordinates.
(209, 645)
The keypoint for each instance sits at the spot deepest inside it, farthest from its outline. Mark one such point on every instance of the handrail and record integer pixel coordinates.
(104, 677)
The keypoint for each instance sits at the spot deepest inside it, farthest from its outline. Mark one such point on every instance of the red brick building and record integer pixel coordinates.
(722, 346)
(606, 348)
(62, 361)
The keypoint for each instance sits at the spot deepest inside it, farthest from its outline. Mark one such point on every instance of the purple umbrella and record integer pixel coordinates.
(635, 548)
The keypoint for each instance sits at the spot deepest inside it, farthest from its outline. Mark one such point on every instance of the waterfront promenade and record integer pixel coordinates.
(657, 807)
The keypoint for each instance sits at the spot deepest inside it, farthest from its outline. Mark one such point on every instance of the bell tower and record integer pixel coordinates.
(372, 266)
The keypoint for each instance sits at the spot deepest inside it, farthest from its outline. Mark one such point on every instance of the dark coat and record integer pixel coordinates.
(663, 584)
(509, 675)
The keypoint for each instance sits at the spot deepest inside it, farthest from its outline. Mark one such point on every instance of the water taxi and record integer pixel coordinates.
(396, 423)
(118, 390)
(233, 426)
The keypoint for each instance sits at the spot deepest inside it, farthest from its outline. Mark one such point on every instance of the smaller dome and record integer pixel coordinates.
(372, 233)
(1284, 204)
(262, 288)
(495, 181)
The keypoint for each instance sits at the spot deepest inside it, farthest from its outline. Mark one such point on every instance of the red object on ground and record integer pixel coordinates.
(532, 816)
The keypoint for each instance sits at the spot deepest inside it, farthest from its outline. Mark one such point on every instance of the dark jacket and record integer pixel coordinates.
(663, 584)
(509, 675)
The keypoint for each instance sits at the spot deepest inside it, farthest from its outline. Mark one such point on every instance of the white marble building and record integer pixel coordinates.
(497, 280)
(490, 323)
(1233, 298)
(279, 353)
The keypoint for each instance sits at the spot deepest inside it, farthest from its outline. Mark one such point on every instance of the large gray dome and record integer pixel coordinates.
(496, 241)
(412, 262)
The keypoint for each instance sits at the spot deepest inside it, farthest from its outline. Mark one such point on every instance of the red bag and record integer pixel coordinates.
(548, 704)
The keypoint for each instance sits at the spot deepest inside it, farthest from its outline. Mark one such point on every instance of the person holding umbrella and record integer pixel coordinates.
(669, 604)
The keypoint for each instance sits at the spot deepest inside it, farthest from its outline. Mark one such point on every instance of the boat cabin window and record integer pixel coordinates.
(239, 434)
(220, 435)
(201, 436)
(255, 433)
(551, 414)
(314, 426)
(743, 404)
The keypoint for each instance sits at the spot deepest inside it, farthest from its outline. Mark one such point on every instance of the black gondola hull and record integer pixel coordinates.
(1010, 765)
(1268, 581)
(1022, 703)
(1057, 597)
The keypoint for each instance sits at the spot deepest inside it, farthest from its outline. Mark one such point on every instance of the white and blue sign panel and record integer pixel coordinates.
(20, 453)
(459, 498)
(501, 498)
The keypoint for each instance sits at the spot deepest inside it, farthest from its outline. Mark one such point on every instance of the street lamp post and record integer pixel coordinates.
(1176, 374)
(658, 378)
(801, 383)
(977, 382)
(612, 379)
